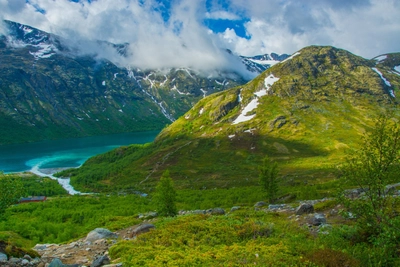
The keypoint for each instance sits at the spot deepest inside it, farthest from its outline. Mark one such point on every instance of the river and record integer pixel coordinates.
(73, 152)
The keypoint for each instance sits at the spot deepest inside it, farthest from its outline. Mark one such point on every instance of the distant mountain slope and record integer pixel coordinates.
(304, 112)
(48, 90)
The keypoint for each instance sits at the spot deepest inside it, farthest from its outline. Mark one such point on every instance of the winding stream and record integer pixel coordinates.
(47, 157)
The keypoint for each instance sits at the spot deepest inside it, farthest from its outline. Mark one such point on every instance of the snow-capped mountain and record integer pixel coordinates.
(46, 84)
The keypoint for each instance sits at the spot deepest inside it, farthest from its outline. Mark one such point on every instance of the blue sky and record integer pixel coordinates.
(193, 32)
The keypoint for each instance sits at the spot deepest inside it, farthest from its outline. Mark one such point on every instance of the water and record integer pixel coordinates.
(64, 153)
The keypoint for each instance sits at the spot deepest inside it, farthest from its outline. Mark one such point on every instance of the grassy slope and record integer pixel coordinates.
(324, 101)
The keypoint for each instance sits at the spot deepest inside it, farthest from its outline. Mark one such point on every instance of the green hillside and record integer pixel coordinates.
(304, 112)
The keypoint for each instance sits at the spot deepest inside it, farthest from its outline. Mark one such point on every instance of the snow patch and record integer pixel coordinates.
(220, 83)
(115, 75)
(240, 95)
(250, 107)
(201, 111)
(269, 81)
(381, 58)
(45, 51)
(179, 92)
(204, 92)
(103, 83)
(26, 30)
(397, 68)
(264, 62)
(231, 136)
(250, 130)
(292, 56)
(165, 81)
(120, 110)
(381, 75)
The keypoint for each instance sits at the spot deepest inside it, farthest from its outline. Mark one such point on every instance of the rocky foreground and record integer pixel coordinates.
(92, 250)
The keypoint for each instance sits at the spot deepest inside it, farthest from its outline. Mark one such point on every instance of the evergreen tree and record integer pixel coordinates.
(268, 175)
(165, 196)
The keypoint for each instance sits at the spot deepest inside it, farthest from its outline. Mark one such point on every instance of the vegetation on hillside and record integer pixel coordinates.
(310, 123)
(324, 101)
(373, 168)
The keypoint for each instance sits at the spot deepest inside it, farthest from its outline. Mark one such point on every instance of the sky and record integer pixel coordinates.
(194, 33)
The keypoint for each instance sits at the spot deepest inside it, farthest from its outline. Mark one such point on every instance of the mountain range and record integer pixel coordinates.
(50, 90)
(305, 113)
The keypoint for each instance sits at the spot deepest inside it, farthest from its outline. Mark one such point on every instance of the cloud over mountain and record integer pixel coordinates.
(172, 33)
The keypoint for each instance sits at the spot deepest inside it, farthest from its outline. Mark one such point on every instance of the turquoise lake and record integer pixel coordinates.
(66, 152)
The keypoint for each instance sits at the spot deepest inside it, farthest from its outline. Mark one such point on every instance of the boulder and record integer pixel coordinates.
(27, 257)
(198, 212)
(318, 219)
(100, 233)
(276, 206)
(148, 215)
(56, 263)
(235, 208)
(3, 257)
(305, 208)
(143, 228)
(217, 211)
(100, 261)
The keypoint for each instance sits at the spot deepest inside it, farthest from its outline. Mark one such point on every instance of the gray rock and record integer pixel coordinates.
(3, 257)
(148, 215)
(318, 219)
(324, 229)
(27, 257)
(392, 189)
(113, 265)
(235, 208)
(40, 247)
(14, 260)
(100, 233)
(143, 228)
(276, 206)
(217, 211)
(100, 261)
(305, 208)
(24, 262)
(56, 263)
(260, 204)
(355, 193)
(198, 212)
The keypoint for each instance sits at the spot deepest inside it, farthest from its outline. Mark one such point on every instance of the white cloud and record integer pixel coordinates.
(367, 28)
(181, 41)
(222, 15)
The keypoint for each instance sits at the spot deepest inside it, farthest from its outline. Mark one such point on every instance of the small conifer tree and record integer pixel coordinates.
(165, 196)
(268, 175)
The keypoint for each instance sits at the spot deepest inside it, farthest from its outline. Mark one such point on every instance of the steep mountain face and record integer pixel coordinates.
(48, 91)
(303, 112)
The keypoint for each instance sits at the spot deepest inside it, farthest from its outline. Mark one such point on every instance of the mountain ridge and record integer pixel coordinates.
(303, 112)
(49, 91)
